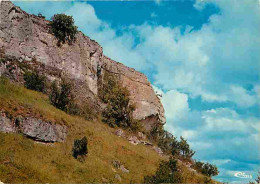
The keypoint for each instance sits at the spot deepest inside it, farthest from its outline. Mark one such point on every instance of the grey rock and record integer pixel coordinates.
(120, 133)
(6, 124)
(134, 140)
(27, 36)
(43, 131)
(34, 128)
(141, 135)
(123, 169)
(118, 177)
(147, 143)
(118, 165)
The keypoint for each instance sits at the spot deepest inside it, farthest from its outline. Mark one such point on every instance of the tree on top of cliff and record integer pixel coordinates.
(63, 28)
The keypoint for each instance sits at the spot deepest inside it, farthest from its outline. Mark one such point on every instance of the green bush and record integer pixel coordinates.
(61, 96)
(206, 168)
(184, 149)
(166, 173)
(80, 147)
(168, 143)
(34, 81)
(84, 111)
(156, 133)
(119, 110)
(63, 28)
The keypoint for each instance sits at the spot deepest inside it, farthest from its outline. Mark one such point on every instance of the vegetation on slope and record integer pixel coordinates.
(23, 160)
(63, 28)
(119, 110)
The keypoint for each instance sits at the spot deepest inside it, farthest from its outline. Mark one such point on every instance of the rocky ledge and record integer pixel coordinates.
(33, 128)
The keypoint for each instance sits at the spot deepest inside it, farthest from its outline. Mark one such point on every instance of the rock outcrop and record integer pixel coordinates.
(27, 38)
(33, 128)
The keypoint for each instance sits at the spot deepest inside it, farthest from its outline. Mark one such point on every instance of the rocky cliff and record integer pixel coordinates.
(26, 37)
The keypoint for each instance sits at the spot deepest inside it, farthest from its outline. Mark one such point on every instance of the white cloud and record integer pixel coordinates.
(240, 96)
(224, 119)
(215, 63)
(175, 104)
(207, 62)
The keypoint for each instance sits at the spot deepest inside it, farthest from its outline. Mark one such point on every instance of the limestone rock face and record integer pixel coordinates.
(6, 124)
(27, 38)
(43, 131)
(33, 128)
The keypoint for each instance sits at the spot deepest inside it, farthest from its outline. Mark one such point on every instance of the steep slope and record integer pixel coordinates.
(23, 160)
(27, 38)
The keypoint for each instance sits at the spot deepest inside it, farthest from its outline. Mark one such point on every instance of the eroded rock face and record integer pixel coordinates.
(149, 109)
(6, 125)
(33, 128)
(27, 37)
(42, 131)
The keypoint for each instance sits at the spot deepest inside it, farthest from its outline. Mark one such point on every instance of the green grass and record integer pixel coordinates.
(23, 160)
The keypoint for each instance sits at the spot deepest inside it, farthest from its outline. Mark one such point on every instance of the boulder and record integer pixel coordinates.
(118, 165)
(134, 140)
(118, 177)
(33, 128)
(43, 131)
(141, 135)
(147, 143)
(120, 133)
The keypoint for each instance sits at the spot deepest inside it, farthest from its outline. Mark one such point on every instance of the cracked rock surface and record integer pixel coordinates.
(27, 37)
(33, 128)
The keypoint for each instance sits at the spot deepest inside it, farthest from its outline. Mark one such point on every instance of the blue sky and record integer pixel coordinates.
(203, 56)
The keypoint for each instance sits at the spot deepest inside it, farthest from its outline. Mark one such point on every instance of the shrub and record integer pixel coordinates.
(206, 168)
(80, 147)
(61, 97)
(168, 143)
(84, 111)
(63, 28)
(156, 133)
(34, 81)
(184, 149)
(119, 110)
(166, 173)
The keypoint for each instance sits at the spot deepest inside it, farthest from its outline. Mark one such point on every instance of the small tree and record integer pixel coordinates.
(61, 97)
(206, 168)
(63, 28)
(166, 173)
(185, 150)
(34, 81)
(168, 143)
(80, 147)
(119, 110)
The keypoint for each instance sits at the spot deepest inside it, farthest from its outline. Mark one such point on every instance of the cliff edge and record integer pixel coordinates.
(27, 38)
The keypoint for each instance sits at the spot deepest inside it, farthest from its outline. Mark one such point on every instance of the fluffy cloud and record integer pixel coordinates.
(218, 62)
(175, 104)
(212, 62)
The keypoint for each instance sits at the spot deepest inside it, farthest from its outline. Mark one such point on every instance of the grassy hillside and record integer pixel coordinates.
(23, 160)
